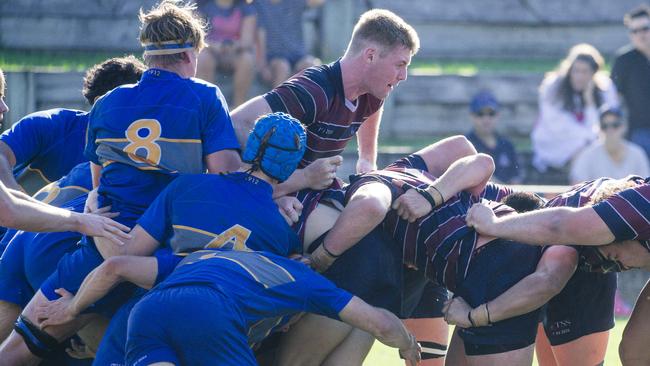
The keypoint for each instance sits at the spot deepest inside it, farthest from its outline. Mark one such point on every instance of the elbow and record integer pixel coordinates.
(112, 268)
(460, 146)
(486, 165)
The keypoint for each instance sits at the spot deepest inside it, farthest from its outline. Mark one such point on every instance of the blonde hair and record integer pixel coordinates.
(611, 188)
(171, 21)
(384, 28)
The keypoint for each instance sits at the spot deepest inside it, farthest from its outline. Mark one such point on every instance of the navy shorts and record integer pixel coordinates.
(28, 261)
(585, 306)
(495, 268)
(370, 270)
(201, 326)
(421, 298)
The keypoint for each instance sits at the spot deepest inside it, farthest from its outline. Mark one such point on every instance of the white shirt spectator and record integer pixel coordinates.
(594, 162)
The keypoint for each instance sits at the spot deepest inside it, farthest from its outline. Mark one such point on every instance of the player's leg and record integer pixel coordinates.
(432, 334)
(311, 340)
(280, 70)
(585, 351)
(28, 344)
(543, 349)
(518, 357)
(440, 155)
(633, 349)
(244, 72)
(8, 314)
(14, 288)
(456, 354)
(352, 351)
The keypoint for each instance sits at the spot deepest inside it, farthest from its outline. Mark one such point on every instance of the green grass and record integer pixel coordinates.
(381, 355)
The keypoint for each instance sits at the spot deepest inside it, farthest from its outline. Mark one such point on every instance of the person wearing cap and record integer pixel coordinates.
(140, 138)
(484, 110)
(611, 155)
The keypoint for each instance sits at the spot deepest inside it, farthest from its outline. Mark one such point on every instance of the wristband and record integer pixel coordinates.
(423, 192)
(328, 252)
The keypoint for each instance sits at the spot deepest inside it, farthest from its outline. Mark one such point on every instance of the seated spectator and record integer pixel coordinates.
(569, 98)
(484, 109)
(611, 155)
(231, 34)
(281, 43)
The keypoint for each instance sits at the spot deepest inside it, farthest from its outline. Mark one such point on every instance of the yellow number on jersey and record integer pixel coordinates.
(148, 142)
(236, 236)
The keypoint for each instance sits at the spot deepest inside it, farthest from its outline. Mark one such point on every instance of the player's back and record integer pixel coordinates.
(147, 133)
(228, 211)
(266, 287)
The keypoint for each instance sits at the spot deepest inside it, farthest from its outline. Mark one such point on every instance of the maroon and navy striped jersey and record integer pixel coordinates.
(316, 98)
(440, 243)
(627, 213)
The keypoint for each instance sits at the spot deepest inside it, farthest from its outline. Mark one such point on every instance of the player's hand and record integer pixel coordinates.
(92, 201)
(365, 166)
(411, 355)
(482, 219)
(79, 350)
(290, 208)
(56, 312)
(455, 312)
(100, 226)
(321, 173)
(320, 260)
(411, 205)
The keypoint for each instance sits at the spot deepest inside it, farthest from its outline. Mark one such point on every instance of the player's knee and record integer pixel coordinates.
(460, 145)
(633, 352)
(432, 350)
(373, 206)
(39, 342)
(485, 162)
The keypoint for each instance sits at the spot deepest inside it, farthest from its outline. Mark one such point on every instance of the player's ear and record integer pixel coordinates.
(369, 53)
(186, 56)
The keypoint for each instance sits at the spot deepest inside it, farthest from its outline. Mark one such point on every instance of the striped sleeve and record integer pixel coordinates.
(627, 214)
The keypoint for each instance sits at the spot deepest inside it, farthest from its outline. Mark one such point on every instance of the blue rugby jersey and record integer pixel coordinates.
(229, 211)
(47, 144)
(264, 286)
(147, 133)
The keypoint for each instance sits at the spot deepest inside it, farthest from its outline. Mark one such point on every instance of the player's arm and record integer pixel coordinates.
(141, 271)
(384, 326)
(554, 270)
(26, 214)
(244, 117)
(140, 243)
(7, 163)
(367, 142)
(557, 225)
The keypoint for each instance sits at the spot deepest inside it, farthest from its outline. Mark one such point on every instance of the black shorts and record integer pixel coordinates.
(370, 270)
(421, 298)
(495, 268)
(585, 306)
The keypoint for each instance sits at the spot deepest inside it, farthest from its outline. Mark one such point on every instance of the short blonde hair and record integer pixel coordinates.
(384, 28)
(171, 21)
(611, 188)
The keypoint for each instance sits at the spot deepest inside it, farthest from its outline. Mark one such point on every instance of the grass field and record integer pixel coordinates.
(381, 355)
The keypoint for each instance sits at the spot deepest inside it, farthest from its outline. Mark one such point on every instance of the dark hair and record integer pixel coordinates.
(608, 110)
(523, 201)
(564, 92)
(640, 11)
(104, 77)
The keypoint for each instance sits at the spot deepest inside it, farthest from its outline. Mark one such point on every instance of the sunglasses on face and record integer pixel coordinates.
(612, 125)
(487, 113)
(640, 29)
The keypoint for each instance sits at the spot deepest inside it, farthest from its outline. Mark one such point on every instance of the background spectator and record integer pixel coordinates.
(282, 45)
(631, 73)
(611, 155)
(569, 98)
(231, 34)
(484, 109)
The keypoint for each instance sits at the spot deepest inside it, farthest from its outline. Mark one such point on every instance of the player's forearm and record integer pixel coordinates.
(392, 331)
(294, 183)
(527, 295)
(468, 173)
(94, 287)
(29, 215)
(367, 138)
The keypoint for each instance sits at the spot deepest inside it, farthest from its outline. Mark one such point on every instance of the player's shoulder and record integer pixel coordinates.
(56, 114)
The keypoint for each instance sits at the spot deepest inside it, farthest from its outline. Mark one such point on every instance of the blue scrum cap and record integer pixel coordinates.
(276, 145)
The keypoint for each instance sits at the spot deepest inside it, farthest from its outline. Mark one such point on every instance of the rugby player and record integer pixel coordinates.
(137, 146)
(44, 146)
(336, 100)
(620, 217)
(253, 292)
